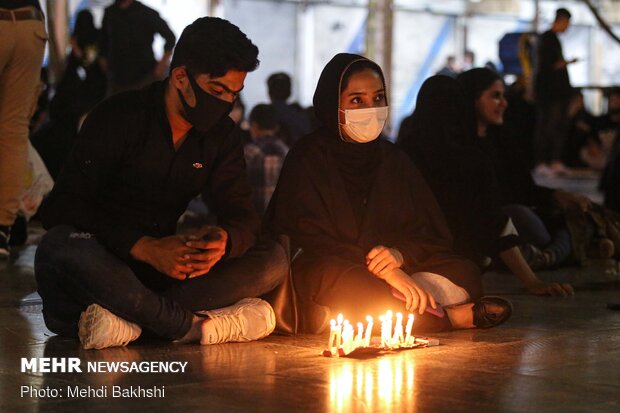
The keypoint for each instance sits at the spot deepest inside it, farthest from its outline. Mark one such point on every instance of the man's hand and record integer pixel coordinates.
(543, 288)
(209, 246)
(415, 296)
(567, 200)
(381, 260)
(164, 254)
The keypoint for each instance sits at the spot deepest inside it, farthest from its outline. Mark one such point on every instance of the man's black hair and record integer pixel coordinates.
(264, 116)
(562, 13)
(214, 46)
(279, 86)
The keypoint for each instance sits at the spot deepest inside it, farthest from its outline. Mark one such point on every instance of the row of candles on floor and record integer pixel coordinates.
(342, 334)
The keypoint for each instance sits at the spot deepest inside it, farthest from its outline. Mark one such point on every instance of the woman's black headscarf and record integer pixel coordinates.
(437, 123)
(84, 31)
(473, 82)
(357, 162)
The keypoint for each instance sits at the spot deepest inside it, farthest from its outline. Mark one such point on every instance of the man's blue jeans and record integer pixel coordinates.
(73, 270)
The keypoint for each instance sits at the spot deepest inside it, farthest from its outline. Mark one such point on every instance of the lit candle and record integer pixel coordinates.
(359, 339)
(368, 333)
(383, 325)
(388, 328)
(339, 320)
(397, 339)
(408, 330)
(347, 337)
(333, 345)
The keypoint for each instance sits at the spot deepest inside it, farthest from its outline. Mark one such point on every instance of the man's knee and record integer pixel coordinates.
(276, 263)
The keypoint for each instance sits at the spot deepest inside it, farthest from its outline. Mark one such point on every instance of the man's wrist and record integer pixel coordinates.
(138, 251)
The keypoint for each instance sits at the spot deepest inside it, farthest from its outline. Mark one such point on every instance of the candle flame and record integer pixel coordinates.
(369, 319)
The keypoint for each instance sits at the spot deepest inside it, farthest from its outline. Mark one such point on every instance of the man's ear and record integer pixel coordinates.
(178, 77)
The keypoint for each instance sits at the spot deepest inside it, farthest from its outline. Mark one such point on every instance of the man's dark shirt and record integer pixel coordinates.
(124, 179)
(127, 41)
(551, 84)
(18, 4)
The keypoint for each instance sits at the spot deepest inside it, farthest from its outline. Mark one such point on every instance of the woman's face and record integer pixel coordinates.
(365, 90)
(491, 104)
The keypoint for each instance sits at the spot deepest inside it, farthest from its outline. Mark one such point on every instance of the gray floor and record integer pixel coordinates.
(553, 355)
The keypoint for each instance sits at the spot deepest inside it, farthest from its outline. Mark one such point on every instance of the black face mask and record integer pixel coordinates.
(208, 111)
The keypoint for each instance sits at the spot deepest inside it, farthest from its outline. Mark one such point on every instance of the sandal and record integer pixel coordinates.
(484, 317)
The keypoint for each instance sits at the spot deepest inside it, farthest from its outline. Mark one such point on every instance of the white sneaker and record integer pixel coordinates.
(249, 319)
(99, 328)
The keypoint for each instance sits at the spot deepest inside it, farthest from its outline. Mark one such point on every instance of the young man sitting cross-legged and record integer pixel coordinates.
(111, 265)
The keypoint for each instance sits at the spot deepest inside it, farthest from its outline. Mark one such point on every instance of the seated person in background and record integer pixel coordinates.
(462, 180)
(368, 225)
(610, 180)
(264, 155)
(605, 133)
(81, 87)
(292, 120)
(237, 114)
(111, 264)
(580, 136)
(537, 212)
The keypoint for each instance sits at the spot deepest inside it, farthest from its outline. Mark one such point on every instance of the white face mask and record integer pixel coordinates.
(364, 125)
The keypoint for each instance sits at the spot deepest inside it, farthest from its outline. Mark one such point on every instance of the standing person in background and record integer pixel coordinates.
(126, 47)
(22, 43)
(264, 155)
(293, 121)
(553, 92)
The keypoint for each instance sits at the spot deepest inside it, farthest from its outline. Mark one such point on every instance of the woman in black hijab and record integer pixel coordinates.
(536, 211)
(463, 180)
(365, 219)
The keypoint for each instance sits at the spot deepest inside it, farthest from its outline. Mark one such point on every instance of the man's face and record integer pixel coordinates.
(225, 87)
(562, 24)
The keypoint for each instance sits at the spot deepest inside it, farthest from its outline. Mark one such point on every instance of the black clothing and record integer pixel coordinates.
(610, 180)
(460, 176)
(315, 206)
(404, 131)
(581, 131)
(520, 118)
(73, 270)
(127, 41)
(551, 84)
(605, 124)
(124, 179)
(18, 4)
(516, 185)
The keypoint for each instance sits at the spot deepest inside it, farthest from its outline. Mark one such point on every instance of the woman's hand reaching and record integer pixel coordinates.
(416, 298)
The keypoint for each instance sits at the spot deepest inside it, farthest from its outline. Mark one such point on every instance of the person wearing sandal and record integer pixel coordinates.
(371, 233)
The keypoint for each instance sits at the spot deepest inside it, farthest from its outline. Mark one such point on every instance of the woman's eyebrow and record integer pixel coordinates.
(364, 93)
